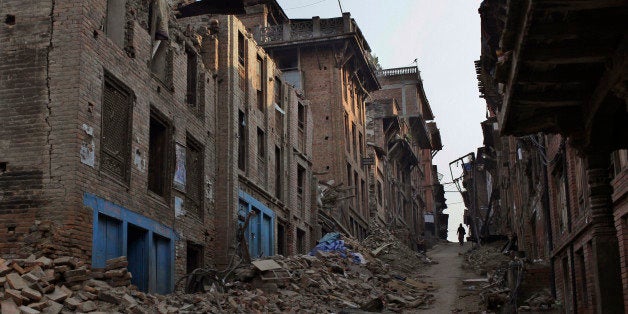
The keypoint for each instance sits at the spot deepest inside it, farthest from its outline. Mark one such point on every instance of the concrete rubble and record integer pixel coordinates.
(324, 282)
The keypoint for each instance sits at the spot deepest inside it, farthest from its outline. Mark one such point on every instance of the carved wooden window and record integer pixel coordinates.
(194, 176)
(116, 129)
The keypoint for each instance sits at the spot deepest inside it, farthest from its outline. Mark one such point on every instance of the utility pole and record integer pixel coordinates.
(474, 210)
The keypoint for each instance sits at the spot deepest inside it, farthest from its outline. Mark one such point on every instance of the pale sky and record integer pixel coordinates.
(444, 35)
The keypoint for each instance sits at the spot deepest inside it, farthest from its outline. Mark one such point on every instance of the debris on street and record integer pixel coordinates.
(339, 274)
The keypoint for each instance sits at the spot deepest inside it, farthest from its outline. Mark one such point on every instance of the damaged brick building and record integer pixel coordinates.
(404, 183)
(553, 75)
(115, 147)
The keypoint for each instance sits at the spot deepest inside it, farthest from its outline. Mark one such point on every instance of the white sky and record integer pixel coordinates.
(444, 35)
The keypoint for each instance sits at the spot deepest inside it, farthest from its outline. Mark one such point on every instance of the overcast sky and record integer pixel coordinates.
(444, 35)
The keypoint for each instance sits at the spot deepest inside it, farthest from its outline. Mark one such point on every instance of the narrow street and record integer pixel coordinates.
(447, 277)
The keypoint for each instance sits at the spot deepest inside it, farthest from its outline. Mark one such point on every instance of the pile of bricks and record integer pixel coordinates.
(44, 285)
(115, 272)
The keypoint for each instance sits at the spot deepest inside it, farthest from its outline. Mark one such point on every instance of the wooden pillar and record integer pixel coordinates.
(606, 261)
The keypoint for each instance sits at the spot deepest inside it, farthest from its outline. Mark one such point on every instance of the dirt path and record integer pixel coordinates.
(447, 277)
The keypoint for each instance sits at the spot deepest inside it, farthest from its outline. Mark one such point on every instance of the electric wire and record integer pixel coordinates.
(306, 5)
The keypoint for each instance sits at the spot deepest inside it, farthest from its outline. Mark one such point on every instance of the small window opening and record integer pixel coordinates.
(241, 48)
(194, 257)
(159, 138)
(9, 19)
(300, 241)
(242, 141)
(192, 76)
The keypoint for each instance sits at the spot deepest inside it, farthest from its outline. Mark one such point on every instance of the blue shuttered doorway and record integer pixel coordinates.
(148, 244)
(261, 230)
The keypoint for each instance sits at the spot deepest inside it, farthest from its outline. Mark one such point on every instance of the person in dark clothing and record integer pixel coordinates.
(461, 232)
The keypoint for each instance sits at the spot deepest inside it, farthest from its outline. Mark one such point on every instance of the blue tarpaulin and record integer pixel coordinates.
(332, 242)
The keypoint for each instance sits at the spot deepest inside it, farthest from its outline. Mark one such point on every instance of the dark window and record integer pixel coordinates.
(364, 205)
(159, 140)
(361, 144)
(260, 84)
(356, 190)
(116, 129)
(347, 143)
(116, 21)
(278, 89)
(192, 76)
(261, 157)
(301, 126)
(300, 179)
(261, 143)
(301, 187)
(242, 141)
(300, 241)
(194, 176)
(281, 239)
(353, 140)
(260, 100)
(194, 257)
(241, 49)
(278, 174)
(583, 278)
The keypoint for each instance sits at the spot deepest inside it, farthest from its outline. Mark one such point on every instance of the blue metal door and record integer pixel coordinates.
(137, 255)
(162, 264)
(267, 241)
(254, 235)
(108, 238)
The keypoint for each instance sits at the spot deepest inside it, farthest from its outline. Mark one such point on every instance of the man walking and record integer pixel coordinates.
(461, 232)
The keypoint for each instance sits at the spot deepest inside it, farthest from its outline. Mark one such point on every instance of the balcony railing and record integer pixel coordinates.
(306, 29)
(398, 71)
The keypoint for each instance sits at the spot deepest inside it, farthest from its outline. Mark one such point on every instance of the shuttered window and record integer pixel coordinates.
(116, 129)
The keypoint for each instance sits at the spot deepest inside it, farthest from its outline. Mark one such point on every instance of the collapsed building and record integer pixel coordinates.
(553, 75)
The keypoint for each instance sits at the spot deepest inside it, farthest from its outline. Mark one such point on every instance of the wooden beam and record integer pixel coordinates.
(515, 64)
(574, 5)
(567, 54)
(575, 73)
(549, 103)
(566, 30)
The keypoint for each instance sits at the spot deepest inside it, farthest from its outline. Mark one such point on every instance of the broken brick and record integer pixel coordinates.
(16, 282)
(31, 294)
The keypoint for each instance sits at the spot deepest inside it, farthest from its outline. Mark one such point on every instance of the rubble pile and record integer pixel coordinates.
(489, 261)
(387, 248)
(509, 280)
(348, 277)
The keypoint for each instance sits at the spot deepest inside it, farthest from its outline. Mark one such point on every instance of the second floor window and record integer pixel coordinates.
(116, 129)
